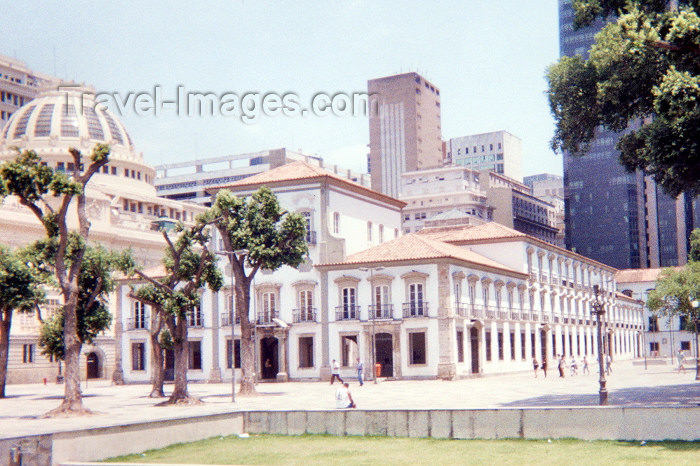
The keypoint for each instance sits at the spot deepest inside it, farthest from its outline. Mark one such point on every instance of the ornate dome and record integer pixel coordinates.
(66, 117)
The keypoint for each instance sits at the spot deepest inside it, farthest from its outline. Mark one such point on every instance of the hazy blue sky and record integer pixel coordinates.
(487, 57)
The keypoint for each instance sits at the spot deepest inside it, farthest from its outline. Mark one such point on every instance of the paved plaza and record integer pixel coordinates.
(629, 385)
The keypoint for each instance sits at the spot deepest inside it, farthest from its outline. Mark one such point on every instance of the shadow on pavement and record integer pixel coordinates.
(665, 395)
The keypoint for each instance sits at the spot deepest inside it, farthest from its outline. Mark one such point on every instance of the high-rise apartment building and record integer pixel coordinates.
(404, 129)
(619, 218)
(18, 85)
(499, 151)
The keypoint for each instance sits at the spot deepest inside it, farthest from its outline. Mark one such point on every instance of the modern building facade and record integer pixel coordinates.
(550, 188)
(122, 207)
(619, 218)
(190, 180)
(18, 85)
(499, 151)
(405, 133)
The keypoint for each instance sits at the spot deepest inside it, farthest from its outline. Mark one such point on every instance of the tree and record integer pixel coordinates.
(93, 317)
(20, 290)
(694, 254)
(675, 291)
(48, 194)
(189, 266)
(271, 238)
(641, 78)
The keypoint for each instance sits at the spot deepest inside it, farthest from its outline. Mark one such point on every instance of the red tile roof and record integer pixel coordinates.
(416, 247)
(298, 171)
(486, 231)
(638, 275)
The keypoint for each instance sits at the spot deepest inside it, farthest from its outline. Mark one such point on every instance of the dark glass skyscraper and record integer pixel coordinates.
(619, 218)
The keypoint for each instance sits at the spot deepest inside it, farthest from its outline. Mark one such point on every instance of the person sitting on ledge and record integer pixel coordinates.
(343, 398)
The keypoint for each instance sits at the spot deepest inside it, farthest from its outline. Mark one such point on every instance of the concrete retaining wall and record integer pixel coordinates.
(612, 423)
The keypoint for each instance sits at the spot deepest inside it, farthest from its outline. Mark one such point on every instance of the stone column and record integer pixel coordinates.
(118, 374)
(283, 372)
(215, 370)
(447, 365)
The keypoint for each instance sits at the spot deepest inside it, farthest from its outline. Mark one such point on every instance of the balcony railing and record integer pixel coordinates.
(347, 312)
(462, 309)
(226, 319)
(566, 320)
(535, 317)
(380, 311)
(415, 309)
(305, 314)
(514, 315)
(502, 315)
(311, 237)
(545, 318)
(137, 324)
(265, 317)
(556, 319)
(477, 312)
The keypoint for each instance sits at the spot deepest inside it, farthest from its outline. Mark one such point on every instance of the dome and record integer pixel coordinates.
(66, 117)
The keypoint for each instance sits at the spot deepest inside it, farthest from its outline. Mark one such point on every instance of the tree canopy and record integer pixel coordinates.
(675, 291)
(641, 78)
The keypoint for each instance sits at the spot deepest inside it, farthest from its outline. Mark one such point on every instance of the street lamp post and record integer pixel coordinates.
(696, 318)
(372, 314)
(599, 311)
(230, 254)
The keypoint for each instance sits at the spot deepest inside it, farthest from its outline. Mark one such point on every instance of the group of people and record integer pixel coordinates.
(572, 365)
(343, 397)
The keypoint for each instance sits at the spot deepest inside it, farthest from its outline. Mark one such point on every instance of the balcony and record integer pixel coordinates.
(477, 312)
(502, 315)
(415, 309)
(566, 320)
(535, 317)
(305, 314)
(556, 319)
(137, 324)
(311, 237)
(462, 309)
(545, 318)
(514, 315)
(347, 312)
(380, 311)
(226, 319)
(265, 317)
(490, 313)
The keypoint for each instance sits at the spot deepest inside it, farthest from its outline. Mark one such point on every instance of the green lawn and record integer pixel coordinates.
(327, 449)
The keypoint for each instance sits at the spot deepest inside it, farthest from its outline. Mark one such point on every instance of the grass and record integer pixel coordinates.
(328, 450)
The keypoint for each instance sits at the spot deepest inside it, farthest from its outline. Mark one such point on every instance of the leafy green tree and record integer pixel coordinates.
(641, 78)
(694, 254)
(49, 195)
(271, 238)
(20, 291)
(189, 266)
(675, 291)
(93, 316)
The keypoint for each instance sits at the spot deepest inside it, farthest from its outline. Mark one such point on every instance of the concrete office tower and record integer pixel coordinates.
(621, 219)
(550, 188)
(499, 151)
(18, 85)
(404, 129)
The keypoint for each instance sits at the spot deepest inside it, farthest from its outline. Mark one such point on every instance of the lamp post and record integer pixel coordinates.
(599, 311)
(696, 319)
(241, 253)
(373, 316)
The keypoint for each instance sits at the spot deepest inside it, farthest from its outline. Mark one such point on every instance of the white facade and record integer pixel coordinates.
(499, 151)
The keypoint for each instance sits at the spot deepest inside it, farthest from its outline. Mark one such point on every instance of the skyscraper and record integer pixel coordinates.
(404, 129)
(18, 85)
(619, 218)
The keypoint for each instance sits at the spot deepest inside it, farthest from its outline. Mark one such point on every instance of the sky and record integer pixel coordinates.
(488, 58)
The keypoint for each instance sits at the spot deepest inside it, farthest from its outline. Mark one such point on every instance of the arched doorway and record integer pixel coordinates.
(268, 358)
(474, 338)
(385, 354)
(93, 366)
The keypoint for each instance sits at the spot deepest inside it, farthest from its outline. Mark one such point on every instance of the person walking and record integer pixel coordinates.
(585, 366)
(574, 366)
(335, 372)
(535, 365)
(360, 370)
(561, 365)
(608, 364)
(544, 366)
(681, 361)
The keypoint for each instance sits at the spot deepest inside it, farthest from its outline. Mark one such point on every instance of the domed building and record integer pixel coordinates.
(122, 207)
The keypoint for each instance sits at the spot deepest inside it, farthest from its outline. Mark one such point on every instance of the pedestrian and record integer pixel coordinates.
(544, 366)
(681, 361)
(360, 370)
(343, 398)
(335, 372)
(561, 365)
(535, 365)
(608, 364)
(573, 365)
(585, 366)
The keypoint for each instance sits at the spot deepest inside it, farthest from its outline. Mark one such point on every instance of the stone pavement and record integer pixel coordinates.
(629, 385)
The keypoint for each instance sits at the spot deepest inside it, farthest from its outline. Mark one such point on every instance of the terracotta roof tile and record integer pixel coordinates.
(638, 275)
(486, 231)
(415, 247)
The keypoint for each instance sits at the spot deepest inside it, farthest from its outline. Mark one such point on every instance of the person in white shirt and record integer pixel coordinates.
(343, 398)
(335, 372)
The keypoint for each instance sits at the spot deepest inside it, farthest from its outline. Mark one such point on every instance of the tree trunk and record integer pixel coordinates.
(180, 393)
(247, 344)
(157, 359)
(5, 322)
(73, 397)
